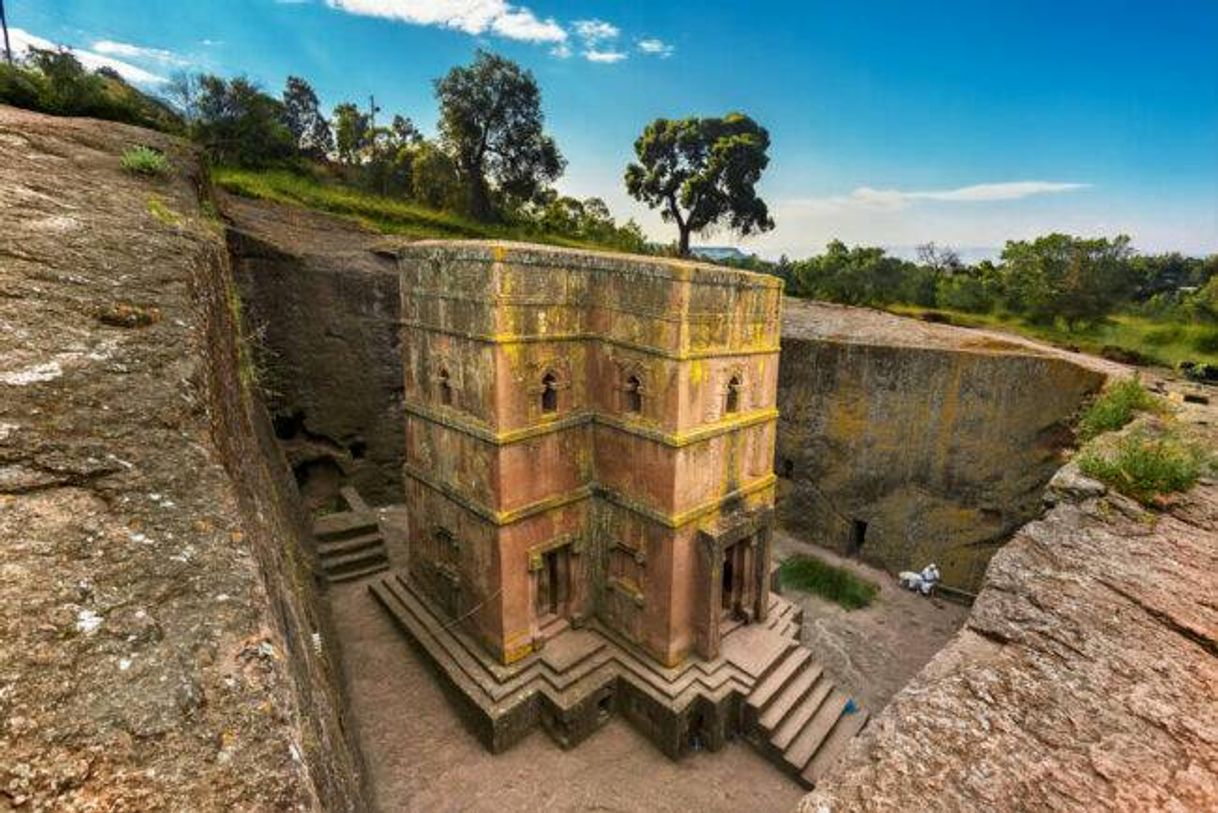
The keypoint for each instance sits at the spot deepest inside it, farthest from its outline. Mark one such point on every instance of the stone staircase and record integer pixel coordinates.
(349, 543)
(799, 719)
(784, 704)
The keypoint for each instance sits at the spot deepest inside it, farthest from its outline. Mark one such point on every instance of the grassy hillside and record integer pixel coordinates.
(1160, 341)
(383, 214)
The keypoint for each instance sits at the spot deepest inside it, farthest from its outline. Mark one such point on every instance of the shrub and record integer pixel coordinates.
(143, 160)
(1144, 466)
(828, 581)
(1115, 408)
(1206, 341)
(1164, 335)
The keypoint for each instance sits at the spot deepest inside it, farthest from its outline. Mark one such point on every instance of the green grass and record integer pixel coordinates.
(1146, 465)
(1115, 408)
(144, 161)
(1160, 341)
(165, 215)
(383, 214)
(836, 584)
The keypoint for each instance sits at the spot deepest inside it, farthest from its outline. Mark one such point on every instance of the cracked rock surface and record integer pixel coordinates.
(140, 663)
(1086, 677)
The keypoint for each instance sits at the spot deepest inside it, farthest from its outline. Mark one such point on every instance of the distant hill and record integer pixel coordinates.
(718, 253)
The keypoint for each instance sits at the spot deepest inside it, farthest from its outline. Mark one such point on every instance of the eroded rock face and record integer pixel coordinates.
(156, 609)
(326, 312)
(906, 443)
(1085, 679)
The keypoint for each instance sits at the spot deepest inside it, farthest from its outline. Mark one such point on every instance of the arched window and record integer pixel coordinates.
(634, 394)
(446, 388)
(549, 392)
(732, 403)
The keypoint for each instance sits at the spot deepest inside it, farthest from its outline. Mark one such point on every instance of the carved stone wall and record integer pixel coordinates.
(614, 404)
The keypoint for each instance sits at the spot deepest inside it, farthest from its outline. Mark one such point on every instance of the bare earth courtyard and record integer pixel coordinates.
(875, 650)
(420, 756)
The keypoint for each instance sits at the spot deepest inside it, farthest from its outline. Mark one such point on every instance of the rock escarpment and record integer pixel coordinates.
(907, 443)
(161, 645)
(1086, 677)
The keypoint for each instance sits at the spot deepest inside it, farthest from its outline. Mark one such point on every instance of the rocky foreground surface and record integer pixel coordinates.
(146, 662)
(1086, 677)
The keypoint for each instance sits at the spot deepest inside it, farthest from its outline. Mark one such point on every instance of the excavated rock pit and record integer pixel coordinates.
(904, 443)
(165, 643)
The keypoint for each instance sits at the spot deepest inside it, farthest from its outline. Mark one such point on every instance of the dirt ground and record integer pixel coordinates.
(878, 649)
(420, 757)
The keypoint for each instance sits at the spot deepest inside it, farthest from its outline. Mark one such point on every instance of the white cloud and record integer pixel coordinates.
(604, 57)
(129, 51)
(561, 50)
(22, 41)
(868, 198)
(655, 47)
(597, 36)
(594, 31)
(470, 16)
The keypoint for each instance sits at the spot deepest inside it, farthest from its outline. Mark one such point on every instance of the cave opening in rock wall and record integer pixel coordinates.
(858, 536)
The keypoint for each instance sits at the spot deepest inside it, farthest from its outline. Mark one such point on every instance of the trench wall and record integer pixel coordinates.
(276, 531)
(327, 331)
(941, 452)
(162, 644)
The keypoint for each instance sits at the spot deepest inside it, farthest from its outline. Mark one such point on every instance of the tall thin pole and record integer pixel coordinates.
(8, 49)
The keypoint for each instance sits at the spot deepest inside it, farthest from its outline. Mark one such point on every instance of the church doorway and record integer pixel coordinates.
(554, 584)
(735, 596)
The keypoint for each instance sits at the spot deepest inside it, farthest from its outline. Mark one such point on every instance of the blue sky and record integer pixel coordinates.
(892, 123)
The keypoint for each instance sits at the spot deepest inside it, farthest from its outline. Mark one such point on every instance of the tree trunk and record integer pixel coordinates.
(683, 247)
(480, 199)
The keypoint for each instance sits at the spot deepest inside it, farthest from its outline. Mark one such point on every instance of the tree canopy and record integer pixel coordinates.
(1075, 279)
(702, 172)
(303, 116)
(492, 125)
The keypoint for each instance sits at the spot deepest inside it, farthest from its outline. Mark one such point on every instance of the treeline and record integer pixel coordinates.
(1057, 278)
(55, 82)
(491, 159)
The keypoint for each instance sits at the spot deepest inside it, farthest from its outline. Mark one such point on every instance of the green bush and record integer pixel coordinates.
(1144, 466)
(1115, 408)
(1164, 335)
(828, 581)
(143, 160)
(1206, 341)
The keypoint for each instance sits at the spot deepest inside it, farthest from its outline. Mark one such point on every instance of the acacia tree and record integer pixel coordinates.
(701, 172)
(491, 125)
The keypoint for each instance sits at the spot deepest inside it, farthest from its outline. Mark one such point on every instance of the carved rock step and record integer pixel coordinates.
(796, 690)
(794, 723)
(335, 565)
(848, 725)
(799, 719)
(341, 546)
(769, 688)
(349, 575)
(344, 525)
